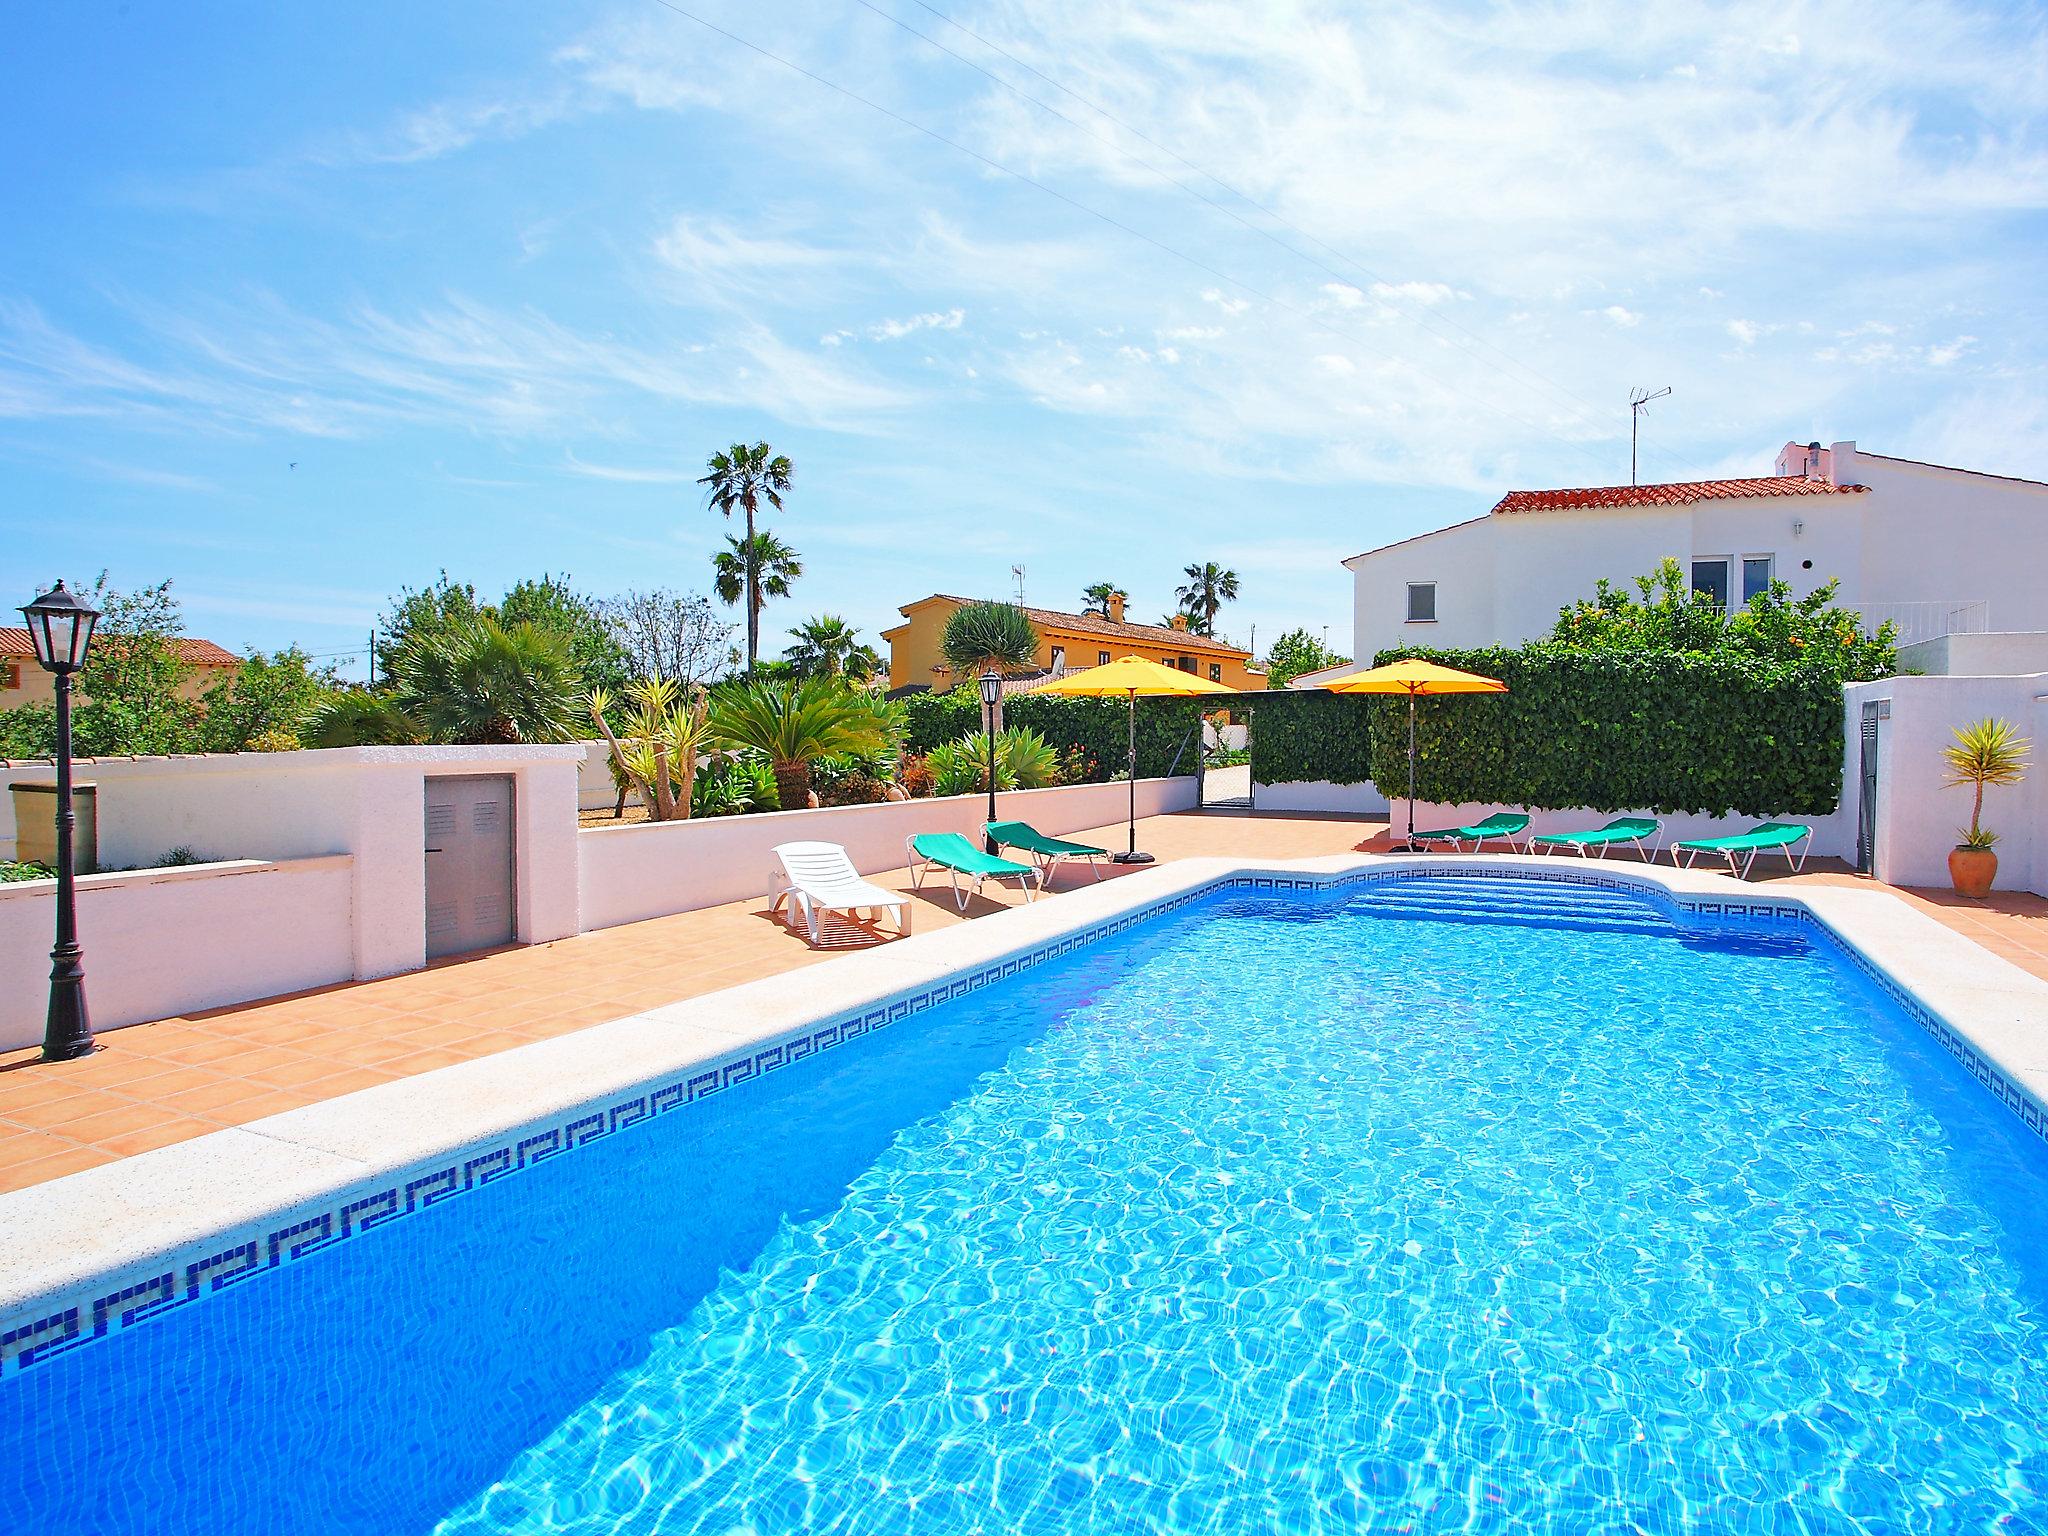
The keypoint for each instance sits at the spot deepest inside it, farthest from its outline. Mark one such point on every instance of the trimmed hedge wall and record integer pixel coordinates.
(1098, 727)
(1598, 731)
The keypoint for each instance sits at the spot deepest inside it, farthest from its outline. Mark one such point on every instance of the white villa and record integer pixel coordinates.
(1941, 552)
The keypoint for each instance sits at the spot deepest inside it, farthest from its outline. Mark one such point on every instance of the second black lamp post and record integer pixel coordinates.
(991, 690)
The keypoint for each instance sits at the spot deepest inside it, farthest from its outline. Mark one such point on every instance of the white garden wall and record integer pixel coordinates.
(646, 870)
(1321, 795)
(161, 942)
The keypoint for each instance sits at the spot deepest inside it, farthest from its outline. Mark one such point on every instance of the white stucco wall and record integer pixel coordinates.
(1321, 795)
(1918, 535)
(644, 870)
(162, 942)
(1917, 818)
(1992, 655)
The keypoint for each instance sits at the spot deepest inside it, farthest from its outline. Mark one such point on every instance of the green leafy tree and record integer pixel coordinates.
(1665, 614)
(989, 637)
(485, 684)
(417, 614)
(742, 478)
(1297, 652)
(269, 695)
(793, 724)
(1209, 586)
(595, 650)
(752, 570)
(1096, 595)
(828, 646)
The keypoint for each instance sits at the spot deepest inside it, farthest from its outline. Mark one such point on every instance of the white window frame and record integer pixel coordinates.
(1410, 611)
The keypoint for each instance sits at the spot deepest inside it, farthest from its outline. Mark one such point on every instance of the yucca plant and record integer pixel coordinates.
(664, 735)
(483, 683)
(1991, 752)
(989, 637)
(793, 724)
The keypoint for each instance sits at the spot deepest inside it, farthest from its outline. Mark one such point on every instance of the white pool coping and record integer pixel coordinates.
(91, 1252)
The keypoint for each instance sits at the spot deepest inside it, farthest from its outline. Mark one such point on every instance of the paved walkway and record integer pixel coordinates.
(155, 1084)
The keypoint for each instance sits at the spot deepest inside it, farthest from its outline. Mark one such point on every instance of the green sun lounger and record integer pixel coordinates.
(957, 856)
(1631, 830)
(1764, 835)
(1501, 824)
(1046, 852)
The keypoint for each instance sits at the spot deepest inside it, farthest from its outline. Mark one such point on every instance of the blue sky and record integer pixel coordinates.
(497, 278)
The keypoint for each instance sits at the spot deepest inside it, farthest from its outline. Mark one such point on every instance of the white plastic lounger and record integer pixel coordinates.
(818, 878)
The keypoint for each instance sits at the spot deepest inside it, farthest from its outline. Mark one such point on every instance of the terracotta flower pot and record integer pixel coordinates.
(1971, 871)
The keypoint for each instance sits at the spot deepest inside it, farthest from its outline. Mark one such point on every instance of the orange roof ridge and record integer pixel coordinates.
(1095, 623)
(1673, 494)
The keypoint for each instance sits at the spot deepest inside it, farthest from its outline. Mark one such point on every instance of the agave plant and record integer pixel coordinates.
(664, 734)
(1024, 760)
(1991, 752)
(793, 724)
(733, 786)
(483, 683)
(356, 717)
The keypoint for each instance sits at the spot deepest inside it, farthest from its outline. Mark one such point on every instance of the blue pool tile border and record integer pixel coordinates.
(309, 1231)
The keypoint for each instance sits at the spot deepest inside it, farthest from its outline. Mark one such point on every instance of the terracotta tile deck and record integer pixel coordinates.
(154, 1084)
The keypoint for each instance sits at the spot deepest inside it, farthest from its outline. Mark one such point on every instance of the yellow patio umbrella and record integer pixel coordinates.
(1412, 677)
(1131, 676)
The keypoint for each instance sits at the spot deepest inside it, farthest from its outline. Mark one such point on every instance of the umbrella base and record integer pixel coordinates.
(1131, 858)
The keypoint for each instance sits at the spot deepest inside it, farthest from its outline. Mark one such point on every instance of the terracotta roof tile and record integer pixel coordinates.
(16, 641)
(1096, 624)
(1681, 493)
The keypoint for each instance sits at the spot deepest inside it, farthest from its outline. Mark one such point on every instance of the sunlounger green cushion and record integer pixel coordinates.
(1499, 824)
(953, 851)
(1021, 834)
(1765, 834)
(1625, 829)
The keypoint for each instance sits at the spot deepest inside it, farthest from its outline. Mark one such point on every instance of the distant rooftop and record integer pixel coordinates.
(16, 641)
(1097, 624)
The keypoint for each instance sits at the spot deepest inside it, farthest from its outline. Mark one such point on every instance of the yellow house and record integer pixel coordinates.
(23, 681)
(1067, 642)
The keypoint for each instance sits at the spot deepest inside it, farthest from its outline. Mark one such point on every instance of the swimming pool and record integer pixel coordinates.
(1464, 1204)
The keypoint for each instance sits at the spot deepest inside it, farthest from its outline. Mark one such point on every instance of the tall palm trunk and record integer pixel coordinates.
(753, 594)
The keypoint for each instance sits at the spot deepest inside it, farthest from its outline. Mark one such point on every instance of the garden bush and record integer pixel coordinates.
(1087, 733)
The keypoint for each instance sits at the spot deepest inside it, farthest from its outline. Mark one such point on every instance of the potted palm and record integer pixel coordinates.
(1987, 753)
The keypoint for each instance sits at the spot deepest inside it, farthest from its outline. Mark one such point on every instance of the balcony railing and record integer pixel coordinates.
(1930, 620)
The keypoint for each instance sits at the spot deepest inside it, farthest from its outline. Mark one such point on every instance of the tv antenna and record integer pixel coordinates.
(1017, 572)
(1638, 402)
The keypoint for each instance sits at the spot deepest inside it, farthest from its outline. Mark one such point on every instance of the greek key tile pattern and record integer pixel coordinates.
(29, 1340)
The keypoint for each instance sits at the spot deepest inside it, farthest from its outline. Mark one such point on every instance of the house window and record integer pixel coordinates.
(1756, 576)
(1185, 663)
(10, 675)
(1059, 658)
(1421, 602)
(1711, 577)
(1102, 658)
(1215, 671)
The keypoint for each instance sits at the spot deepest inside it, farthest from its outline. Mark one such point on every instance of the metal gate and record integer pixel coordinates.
(1866, 800)
(469, 855)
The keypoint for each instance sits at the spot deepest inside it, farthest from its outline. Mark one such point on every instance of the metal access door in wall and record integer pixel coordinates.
(1866, 797)
(469, 864)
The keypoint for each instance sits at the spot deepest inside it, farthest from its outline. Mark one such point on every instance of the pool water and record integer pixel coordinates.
(1458, 1205)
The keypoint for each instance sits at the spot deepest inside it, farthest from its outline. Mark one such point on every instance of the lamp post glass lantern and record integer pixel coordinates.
(991, 690)
(60, 628)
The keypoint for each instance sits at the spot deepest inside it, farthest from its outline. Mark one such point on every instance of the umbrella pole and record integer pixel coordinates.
(1411, 770)
(1131, 855)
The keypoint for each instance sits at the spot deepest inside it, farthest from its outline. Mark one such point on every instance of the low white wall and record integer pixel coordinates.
(161, 942)
(1321, 795)
(646, 870)
(594, 787)
(2016, 654)
(1918, 818)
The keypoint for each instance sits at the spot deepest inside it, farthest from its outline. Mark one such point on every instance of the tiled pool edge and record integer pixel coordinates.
(356, 1194)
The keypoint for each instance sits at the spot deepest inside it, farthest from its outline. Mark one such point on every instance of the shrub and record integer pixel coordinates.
(273, 741)
(1096, 728)
(853, 789)
(733, 787)
(914, 773)
(1023, 761)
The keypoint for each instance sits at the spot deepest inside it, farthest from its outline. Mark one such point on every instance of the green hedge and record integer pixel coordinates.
(1581, 730)
(1096, 726)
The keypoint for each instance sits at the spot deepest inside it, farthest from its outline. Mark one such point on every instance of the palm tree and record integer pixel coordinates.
(989, 637)
(794, 724)
(744, 477)
(828, 646)
(359, 717)
(1209, 587)
(1096, 595)
(482, 683)
(755, 568)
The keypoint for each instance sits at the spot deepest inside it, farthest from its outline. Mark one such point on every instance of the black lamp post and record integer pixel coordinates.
(60, 628)
(991, 690)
